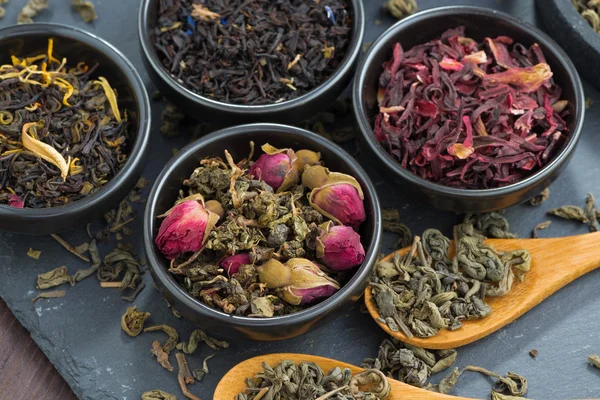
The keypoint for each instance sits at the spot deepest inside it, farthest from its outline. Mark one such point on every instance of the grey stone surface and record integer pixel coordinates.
(81, 335)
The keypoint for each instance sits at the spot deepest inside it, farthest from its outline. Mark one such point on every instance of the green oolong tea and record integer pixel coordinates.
(426, 291)
(252, 53)
(267, 237)
(307, 381)
(62, 134)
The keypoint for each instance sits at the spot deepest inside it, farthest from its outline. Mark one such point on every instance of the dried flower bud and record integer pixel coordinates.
(232, 264)
(15, 201)
(308, 283)
(339, 247)
(186, 227)
(335, 195)
(281, 168)
(216, 207)
(274, 274)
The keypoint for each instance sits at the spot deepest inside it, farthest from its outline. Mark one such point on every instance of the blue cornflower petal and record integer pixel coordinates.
(189, 32)
(224, 21)
(330, 14)
(191, 22)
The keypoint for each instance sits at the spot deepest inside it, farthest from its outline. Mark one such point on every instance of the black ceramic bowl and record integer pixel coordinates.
(236, 141)
(78, 45)
(575, 35)
(206, 109)
(479, 23)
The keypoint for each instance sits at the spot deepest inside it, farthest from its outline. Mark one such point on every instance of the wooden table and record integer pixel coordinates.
(25, 372)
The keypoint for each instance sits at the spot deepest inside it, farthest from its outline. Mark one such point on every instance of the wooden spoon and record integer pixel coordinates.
(554, 263)
(234, 381)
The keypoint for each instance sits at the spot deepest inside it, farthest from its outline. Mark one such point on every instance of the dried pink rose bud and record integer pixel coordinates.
(15, 201)
(337, 196)
(232, 264)
(281, 168)
(186, 227)
(299, 281)
(309, 283)
(339, 247)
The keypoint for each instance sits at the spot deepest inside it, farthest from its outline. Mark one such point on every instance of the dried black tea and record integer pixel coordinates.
(252, 53)
(63, 134)
(425, 291)
(307, 381)
(264, 238)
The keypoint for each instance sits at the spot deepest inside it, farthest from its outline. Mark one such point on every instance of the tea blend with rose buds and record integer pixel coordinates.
(307, 381)
(425, 291)
(266, 237)
(252, 53)
(62, 134)
(470, 115)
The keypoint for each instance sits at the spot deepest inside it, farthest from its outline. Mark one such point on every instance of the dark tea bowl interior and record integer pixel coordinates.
(226, 114)
(479, 23)
(236, 141)
(77, 46)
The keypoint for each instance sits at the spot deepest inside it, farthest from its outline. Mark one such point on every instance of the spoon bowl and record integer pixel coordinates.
(555, 262)
(234, 381)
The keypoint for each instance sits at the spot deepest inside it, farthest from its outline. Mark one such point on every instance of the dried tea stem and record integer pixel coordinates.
(184, 376)
(538, 227)
(49, 295)
(161, 356)
(70, 248)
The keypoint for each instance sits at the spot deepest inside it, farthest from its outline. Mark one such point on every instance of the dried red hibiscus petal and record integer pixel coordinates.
(470, 115)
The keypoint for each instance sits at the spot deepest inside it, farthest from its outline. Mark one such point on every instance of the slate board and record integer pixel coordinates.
(80, 333)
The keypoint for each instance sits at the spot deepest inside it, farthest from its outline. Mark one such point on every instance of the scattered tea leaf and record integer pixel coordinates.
(35, 254)
(492, 224)
(86, 10)
(401, 8)
(171, 118)
(200, 373)
(171, 333)
(594, 360)
(161, 356)
(540, 198)
(67, 246)
(591, 212)
(49, 295)
(31, 10)
(81, 274)
(158, 395)
(184, 376)
(533, 353)
(132, 322)
(570, 212)
(135, 293)
(391, 223)
(196, 338)
(540, 226)
(588, 102)
(56, 277)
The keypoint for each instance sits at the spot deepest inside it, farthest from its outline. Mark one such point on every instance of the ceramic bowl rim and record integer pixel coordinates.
(536, 35)
(352, 55)
(157, 264)
(142, 138)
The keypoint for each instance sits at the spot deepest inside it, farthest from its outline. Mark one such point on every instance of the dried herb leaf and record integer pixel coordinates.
(31, 10)
(401, 8)
(161, 356)
(570, 212)
(81, 274)
(200, 373)
(158, 395)
(196, 338)
(49, 295)
(533, 353)
(67, 246)
(594, 360)
(35, 254)
(132, 322)
(43, 150)
(540, 226)
(171, 332)
(56, 277)
(591, 213)
(86, 10)
(540, 198)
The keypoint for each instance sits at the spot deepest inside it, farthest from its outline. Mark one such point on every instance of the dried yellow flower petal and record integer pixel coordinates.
(43, 150)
